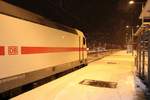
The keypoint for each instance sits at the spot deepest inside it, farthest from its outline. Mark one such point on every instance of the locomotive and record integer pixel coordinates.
(33, 48)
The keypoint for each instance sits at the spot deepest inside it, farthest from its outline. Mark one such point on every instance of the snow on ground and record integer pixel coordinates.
(118, 67)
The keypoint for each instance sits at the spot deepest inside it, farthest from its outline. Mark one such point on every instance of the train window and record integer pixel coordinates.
(84, 41)
(15, 11)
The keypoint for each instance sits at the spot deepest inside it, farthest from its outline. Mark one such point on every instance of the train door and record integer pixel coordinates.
(82, 46)
(80, 49)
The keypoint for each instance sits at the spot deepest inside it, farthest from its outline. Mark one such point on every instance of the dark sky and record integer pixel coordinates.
(101, 20)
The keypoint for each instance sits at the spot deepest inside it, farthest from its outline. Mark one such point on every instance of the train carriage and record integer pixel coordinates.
(32, 48)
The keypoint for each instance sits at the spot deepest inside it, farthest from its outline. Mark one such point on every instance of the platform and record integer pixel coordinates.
(118, 67)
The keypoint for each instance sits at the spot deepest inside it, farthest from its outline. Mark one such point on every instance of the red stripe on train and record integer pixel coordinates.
(2, 50)
(36, 50)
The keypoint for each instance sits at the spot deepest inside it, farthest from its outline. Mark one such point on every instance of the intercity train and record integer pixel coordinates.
(33, 48)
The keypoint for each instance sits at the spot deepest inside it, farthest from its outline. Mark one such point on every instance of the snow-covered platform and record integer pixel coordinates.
(118, 67)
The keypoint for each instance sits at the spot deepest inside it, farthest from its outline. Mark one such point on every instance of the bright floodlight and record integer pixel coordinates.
(131, 2)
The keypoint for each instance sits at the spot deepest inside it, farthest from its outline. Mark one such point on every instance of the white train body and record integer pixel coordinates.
(31, 51)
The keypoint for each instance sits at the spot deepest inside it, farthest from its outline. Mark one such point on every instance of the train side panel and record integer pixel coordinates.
(29, 51)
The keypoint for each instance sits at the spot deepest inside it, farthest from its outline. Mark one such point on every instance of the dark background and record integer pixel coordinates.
(102, 21)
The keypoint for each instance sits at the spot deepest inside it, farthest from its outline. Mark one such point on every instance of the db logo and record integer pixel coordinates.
(12, 50)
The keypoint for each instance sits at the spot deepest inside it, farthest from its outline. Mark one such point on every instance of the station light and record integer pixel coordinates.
(131, 2)
(127, 26)
(137, 26)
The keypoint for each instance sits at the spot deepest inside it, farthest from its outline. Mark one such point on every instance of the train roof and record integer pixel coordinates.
(14, 11)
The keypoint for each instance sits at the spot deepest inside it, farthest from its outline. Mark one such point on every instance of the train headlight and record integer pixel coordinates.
(87, 49)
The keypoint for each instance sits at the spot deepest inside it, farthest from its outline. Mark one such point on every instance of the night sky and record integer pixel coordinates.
(100, 20)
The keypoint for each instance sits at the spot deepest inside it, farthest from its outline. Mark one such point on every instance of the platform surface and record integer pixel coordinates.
(118, 67)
